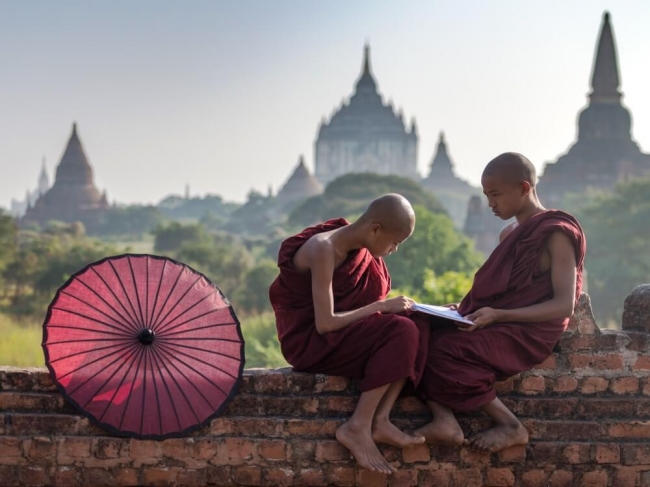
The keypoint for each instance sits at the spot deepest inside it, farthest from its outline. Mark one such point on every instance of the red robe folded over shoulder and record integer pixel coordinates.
(377, 350)
(462, 367)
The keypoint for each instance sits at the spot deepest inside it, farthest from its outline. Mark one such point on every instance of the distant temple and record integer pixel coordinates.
(453, 192)
(604, 153)
(482, 226)
(18, 208)
(365, 135)
(73, 197)
(300, 186)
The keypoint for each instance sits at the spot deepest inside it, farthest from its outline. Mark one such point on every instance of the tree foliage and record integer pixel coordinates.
(618, 259)
(435, 245)
(351, 193)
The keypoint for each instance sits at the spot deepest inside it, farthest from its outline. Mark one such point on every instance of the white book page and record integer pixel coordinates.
(442, 312)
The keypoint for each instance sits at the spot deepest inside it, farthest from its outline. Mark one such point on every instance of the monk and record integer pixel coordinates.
(520, 302)
(333, 318)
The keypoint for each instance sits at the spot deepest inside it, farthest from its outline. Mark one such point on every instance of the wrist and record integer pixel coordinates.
(379, 307)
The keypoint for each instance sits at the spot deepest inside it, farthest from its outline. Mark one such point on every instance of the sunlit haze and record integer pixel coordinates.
(225, 95)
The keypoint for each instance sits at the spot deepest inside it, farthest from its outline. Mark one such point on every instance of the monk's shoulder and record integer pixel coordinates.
(507, 231)
(316, 247)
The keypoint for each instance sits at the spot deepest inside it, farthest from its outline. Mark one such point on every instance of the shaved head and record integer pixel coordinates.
(392, 211)
(511, 167)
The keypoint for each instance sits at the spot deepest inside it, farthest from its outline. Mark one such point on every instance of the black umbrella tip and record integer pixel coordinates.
(146, 336)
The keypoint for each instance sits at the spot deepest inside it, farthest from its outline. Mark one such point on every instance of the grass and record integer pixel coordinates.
(20, 345)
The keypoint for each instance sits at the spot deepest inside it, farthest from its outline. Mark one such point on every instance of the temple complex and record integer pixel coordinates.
(605, 153)
(453, 192)
(18, 208)
(74, 196)
(366, 135)
(300, 186)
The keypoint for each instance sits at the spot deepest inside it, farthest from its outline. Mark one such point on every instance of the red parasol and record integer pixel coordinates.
(144, 346)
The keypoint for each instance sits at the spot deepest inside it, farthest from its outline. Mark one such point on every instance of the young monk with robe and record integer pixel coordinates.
(520, 302)
(333, 318)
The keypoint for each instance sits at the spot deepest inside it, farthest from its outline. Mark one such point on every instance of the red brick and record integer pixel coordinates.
(235, 451)
(374, 479)
(404, 478)
(247, 475)
(74, 448)
(472, 456)
(270, 383)
(222, 426)
(40, 448)
(591, 385)
(9, 475)
(10, 447)
(561, 478)
(607, 453)
(341, 475)
(258, 427)
(565, 384)
(331, 451)
(272, 450)
(125, 476)
(159, 476)
(108, 448)
(435, 478)
(411, 405)
(468, 477)
(312, 476)
(549, 364)
(533, 384)
(302, 450)
(624, 385)
(627, 477)
(145, 449)
(331, 383)
(416, 453)
(577, 453)
(219, 475)
(340, 404)
(534, 478)
(645, 387)
(278, 476)
(33, 475)
(636, 454)
(191, 477)
(595, 361)
(631, 429)
(513, 454)
(597, 478)
(642, 363)
(500, 477)
(67, 477)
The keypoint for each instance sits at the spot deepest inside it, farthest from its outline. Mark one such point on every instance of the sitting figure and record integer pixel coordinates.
(520, 302)
(333, 318)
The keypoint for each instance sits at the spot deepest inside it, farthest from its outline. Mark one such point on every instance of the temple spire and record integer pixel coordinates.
(605, 80)
(366, 83)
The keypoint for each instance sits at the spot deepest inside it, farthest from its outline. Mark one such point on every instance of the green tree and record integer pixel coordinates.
(434, 246)
(130, 220)
(8, 239)
(350, 195)
(618, 257)
(253, 295)
(171, 237)
(451, 287)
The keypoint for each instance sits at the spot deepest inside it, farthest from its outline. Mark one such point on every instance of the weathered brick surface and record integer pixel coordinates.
(587, 409)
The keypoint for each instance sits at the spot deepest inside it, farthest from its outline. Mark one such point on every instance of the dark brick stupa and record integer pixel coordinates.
(74, 196)
(605, 153)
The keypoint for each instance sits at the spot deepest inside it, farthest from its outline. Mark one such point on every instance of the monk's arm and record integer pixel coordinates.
(563, 278)
(322, 262)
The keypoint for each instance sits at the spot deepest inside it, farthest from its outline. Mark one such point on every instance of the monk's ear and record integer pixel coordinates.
(375, 228)
(525, 188)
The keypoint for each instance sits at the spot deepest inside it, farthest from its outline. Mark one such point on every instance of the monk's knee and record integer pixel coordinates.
(407, 330)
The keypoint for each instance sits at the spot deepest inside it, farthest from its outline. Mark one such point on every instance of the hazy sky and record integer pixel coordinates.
(225, 95)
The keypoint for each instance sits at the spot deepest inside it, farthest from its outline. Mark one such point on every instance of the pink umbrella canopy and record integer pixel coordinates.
(144, 346)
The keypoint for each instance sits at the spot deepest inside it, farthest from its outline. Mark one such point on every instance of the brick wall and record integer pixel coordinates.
(587, 409)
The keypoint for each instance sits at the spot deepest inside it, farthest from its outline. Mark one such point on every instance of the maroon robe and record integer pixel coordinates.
(462, 366)
(377, 350)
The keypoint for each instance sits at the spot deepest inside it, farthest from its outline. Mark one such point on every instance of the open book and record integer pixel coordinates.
(442, 312)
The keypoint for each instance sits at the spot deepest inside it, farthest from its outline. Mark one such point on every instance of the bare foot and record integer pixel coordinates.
(442, 431)
(498, 438)
(383, 431)
(363, 448)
